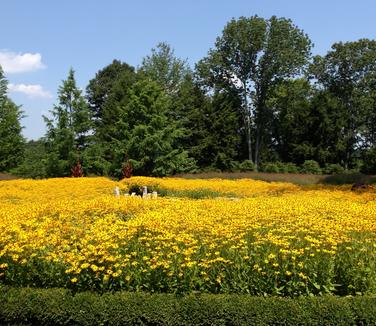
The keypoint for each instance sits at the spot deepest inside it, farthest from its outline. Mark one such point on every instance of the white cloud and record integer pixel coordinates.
(13, 63)
(32, 91)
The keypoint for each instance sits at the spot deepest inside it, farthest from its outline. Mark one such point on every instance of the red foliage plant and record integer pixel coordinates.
(127, 169)
(77, 170)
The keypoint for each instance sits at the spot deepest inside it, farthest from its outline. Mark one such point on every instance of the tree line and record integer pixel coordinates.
(258, 100)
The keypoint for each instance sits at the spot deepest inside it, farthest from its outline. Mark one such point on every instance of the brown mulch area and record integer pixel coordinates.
(7, 176)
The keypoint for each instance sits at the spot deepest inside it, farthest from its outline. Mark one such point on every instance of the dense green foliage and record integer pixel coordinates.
(251, 57)
(27, 306)
(33, 164)
(11, 139)
(256, 101)
(68, 130)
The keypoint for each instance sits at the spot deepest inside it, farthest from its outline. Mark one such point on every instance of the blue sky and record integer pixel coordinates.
(40, 40)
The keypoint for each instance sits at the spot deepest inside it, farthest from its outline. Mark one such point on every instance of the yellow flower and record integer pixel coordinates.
(301, 275)
(271, 256)
(117, 273)
(94, 267)
(79, 225)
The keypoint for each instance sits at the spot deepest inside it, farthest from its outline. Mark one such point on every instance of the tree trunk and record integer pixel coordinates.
(257, 147)
(259, 129)
(248, 137)
(247, 122)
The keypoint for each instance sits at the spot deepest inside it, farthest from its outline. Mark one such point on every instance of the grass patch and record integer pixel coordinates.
(295, 178)
(298, 179)
(195, 193)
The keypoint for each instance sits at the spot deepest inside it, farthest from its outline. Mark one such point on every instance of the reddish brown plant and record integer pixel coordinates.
(77, 170)
(127, 169)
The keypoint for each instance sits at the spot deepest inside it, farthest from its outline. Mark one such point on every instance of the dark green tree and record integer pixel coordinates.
(348, 72)
(3, 87)
(306, 123)
(102, 155)
(68, 132)
(34, 162)
(147, 135)
(11, 140)
(291, 107)
(250, 57)
(223, 141)
(368, 154)
(191, 111)
(100, 87)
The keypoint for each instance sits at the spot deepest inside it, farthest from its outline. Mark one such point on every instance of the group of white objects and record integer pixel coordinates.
(145, 194)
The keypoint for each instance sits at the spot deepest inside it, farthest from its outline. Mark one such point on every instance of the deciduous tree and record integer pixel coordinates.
(252, 56)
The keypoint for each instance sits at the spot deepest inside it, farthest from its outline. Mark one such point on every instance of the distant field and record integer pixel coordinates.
(299, 179)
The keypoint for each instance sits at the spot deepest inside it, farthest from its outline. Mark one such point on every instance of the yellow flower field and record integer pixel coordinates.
(248, 237)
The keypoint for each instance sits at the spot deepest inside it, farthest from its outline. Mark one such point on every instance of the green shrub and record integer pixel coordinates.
(291, 168)
(311, 166)
(333, 169)
(234, 166)
(270, 168)
(282, 167)
(247, 165)
(27, 306)
(210, 169)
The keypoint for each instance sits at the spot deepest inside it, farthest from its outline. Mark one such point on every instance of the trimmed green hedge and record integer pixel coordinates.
(28, 306)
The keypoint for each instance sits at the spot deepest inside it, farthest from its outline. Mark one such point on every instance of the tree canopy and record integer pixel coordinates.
(11, 139)
(257, 100)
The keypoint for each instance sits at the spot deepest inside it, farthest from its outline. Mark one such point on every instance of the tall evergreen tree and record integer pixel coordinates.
(11, 140)
(68, 132)
(3, 87)
(147, 135)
